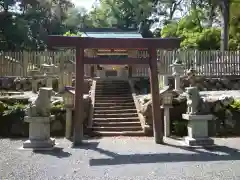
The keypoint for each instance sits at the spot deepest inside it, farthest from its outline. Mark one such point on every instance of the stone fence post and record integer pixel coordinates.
(25, 63)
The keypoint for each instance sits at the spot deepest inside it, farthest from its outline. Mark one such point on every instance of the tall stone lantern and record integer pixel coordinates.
(35, 73)
(178, 70)
(68, 98)
(166, 100)
(48, 70)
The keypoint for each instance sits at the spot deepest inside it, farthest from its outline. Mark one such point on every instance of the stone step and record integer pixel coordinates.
(112, 92)
(114, 100)
(116, 124)
(116, 120)
(118, 128)
(109, 111)
(113, 89)
(113, 96)
(112, 82)
(118, 133)
(117, 107)
(118, 115)
(109, 105)
(112, 85)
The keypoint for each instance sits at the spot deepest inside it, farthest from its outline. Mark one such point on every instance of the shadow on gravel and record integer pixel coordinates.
(94, 146)
(57, 152)
(216, 153)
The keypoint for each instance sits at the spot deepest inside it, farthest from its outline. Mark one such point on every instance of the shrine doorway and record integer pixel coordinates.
(82, 43)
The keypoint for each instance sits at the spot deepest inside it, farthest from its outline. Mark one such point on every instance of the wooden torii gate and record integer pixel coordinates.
(81, 43)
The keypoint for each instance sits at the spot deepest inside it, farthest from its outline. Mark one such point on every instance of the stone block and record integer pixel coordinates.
(199, 141)
(39, 133)
(39, 144)
(198, 130)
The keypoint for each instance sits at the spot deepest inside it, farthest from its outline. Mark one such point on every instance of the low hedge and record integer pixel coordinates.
(12, 119)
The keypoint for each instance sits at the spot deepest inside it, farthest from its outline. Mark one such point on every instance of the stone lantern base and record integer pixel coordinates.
(39, 133)
(39, 144)
(198, 130)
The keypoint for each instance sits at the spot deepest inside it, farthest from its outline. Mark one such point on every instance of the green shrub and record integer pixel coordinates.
(180, 127)
(3, 106)
(235, 105)
(16, 110)
(12, 114)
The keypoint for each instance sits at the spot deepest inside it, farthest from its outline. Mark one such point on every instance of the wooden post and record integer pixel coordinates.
(157, 117)
(130, 71)
(92, 71)
(78, 113)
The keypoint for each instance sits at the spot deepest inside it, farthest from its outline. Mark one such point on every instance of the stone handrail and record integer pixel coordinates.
(92, 96)
(146, 128)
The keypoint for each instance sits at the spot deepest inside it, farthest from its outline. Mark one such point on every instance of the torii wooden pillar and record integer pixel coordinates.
(87, 43)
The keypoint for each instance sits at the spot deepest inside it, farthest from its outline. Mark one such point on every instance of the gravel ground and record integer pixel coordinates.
(120, 158)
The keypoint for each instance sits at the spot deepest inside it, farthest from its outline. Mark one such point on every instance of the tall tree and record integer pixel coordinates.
(121, 13)
(26, 23)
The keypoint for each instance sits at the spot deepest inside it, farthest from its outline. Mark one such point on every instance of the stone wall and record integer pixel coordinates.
(202, 82)
(211, 83)
(25, 84)
(226, 116)
(215, 91)
(12, 116)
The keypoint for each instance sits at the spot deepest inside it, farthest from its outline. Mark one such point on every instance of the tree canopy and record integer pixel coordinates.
(25, 24)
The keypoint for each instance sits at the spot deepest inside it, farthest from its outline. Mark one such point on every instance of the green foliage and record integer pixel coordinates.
(58, 107)
(193, 35)
(16, 110)
(69, 33)
(12, 115)
(180, 127)
(170, 30)
(2, 107)
(236, 104)
(29, 26)
(234, 29)
(121, 13)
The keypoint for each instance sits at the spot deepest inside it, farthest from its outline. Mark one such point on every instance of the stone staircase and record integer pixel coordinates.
(115, 113)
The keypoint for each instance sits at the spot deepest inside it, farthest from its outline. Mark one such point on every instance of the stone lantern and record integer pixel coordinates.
(34, 73)
(68, 99)
(166, 100)
(178, 70)
(49, 71)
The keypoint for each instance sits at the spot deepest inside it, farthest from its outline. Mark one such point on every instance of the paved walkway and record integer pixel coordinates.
(120, 159)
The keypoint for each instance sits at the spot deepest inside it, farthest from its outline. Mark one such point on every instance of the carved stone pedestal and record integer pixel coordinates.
(39, 133)
(198, 130)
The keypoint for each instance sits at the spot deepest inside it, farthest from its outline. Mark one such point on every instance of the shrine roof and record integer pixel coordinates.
(109, 34)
